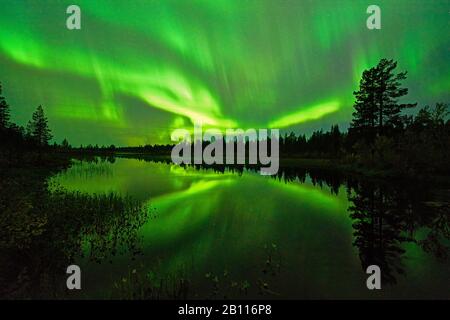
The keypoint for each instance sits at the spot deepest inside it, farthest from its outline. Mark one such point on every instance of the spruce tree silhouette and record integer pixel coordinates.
(4, 111)
(38, 128)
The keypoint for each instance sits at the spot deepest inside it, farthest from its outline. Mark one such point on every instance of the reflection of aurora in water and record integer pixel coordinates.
(138, 69)
(212, 222)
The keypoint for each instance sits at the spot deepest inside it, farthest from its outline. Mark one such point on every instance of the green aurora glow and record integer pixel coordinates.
(138, 69)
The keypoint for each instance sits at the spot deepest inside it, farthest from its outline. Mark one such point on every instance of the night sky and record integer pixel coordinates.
(139, 69)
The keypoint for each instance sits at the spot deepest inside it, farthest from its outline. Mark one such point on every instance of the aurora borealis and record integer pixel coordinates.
(139, 69)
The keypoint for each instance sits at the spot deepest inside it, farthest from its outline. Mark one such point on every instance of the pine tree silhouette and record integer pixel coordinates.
(377, 100)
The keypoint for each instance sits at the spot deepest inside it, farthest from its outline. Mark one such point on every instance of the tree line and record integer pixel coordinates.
(381, 135)
(37, 133)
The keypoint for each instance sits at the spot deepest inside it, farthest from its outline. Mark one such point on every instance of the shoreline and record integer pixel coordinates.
(336, 165)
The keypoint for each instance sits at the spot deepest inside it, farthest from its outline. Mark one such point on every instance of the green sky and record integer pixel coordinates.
(139, 69)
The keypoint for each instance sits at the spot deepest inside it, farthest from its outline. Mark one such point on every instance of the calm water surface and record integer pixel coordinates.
(236, 235)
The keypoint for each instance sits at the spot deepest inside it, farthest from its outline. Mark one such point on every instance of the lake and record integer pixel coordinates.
(305, 234)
